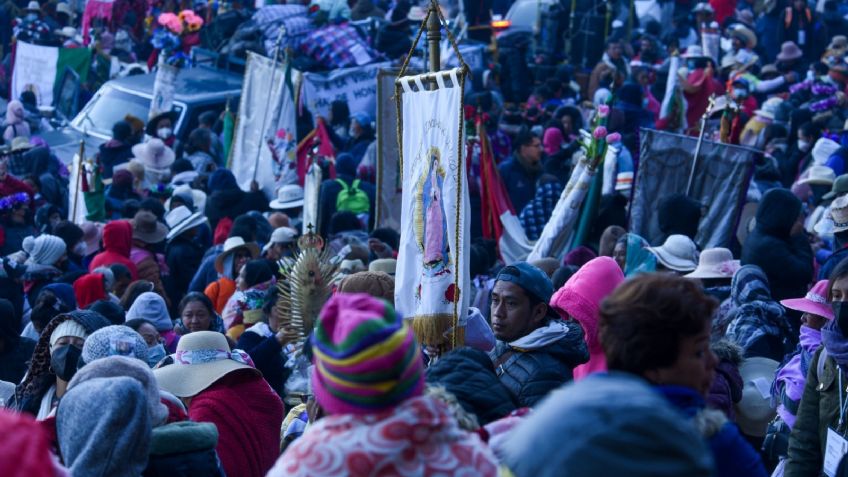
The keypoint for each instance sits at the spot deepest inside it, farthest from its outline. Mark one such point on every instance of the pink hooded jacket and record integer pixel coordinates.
(580, 298)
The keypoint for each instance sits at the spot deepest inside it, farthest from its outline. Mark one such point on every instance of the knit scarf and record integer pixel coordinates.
(835, 343)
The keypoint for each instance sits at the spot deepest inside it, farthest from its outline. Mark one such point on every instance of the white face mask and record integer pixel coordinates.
(164, 133)
(803, 146)
(80, 249)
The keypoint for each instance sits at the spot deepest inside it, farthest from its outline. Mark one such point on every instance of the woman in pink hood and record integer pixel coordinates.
(580, 298)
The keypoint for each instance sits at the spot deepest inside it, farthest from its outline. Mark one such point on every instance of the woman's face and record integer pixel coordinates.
(196, 317)
(813, 321)
(240, 257)
(241, 282)
(694, 367)
(619, 254)
(150, 335)
(839, 290)
(567, 125)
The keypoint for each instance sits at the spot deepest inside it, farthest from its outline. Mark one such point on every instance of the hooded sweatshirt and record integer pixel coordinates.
(104, 428)
(787, 260)
(117, 242)
(580, 298)
(88, 289)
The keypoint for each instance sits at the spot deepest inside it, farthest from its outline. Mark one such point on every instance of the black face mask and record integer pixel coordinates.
(64, 361)
(840, 315)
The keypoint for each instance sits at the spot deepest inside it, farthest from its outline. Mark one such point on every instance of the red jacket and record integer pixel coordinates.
(117, 242)
(248, 415)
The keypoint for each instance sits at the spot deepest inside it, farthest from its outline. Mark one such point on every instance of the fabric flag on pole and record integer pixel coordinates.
(720, 183)
(673, 109)
(39, 68)
(266, 98)
(76, 199)
(433, 284)
(315, 146)
(164, 88)
(229, 124)
(498, 215)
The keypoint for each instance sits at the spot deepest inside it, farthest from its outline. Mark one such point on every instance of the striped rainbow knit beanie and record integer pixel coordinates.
(366, 357)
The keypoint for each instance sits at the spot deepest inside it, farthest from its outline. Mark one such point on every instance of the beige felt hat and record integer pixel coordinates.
(202, 358)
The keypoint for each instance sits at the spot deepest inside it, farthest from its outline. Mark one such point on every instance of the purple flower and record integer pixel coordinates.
(614, 138)
(600, 132)
(603, 111)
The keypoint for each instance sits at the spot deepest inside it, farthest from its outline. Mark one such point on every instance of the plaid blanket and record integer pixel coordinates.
(538, 211)
(337, 46)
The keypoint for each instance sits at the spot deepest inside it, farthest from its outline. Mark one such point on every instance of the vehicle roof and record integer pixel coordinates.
(200, 83)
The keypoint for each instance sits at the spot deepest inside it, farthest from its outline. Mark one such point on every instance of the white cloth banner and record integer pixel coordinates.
(35, 69)
(432, 257)
(265, 99)
(76, 199)
(356, 86)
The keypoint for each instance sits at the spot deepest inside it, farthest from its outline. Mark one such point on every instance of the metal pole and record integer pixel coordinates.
(434, 38)
(704, 118)
(270, 89)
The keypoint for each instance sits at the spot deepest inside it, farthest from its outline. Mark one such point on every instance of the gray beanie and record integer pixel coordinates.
(615, 422)
(103, 428)
(115, 340)
(123, 366)
(44, 249)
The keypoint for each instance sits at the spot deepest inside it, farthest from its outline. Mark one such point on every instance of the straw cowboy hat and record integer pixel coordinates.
(197, 196)
(839, 214)
(715, 263)
(754, 411)
(815, 302)
(181, 219)
(67, 32)
(678, 253)
(840, 187)
(288, 197)
(230, 246)
(202, 358)
(20, 143)
(744, 34)
(146, 228)
(769, 108)
(154, 153)
(819, 175)
(789, 51)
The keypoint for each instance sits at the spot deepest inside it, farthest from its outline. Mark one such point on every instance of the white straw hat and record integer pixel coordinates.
(715, 263)
(678, 253)
(288, 197)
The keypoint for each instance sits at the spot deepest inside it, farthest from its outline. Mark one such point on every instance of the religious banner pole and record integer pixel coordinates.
(704, 118)
(433, 276)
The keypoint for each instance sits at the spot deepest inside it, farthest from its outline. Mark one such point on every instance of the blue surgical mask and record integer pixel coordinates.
(155, 354)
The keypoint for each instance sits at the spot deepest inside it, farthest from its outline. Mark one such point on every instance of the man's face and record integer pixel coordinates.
(614, 51)
(532, 153)
(512, 315)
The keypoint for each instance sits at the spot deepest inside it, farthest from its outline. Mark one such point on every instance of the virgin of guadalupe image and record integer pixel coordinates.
(431, 223)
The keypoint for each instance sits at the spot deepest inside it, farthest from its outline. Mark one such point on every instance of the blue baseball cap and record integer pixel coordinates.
(533, 280)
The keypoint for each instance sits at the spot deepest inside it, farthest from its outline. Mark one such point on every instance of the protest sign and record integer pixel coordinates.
(720, 183)
(39, 68)
(356, 86)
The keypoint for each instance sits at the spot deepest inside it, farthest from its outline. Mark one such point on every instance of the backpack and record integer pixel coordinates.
(352, 198)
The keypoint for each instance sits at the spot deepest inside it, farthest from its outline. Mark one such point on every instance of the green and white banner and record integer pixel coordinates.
(39, 68)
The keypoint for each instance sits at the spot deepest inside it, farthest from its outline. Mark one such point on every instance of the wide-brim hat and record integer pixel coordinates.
(288, 197)
(754, 411)
(745, 34)
(154, 154)
(789, 51)
(230, 246)
(715, 263)
(67, 32)
(840, 187)
(181, 219)
(20, 143)
(33, 6)
(146, 228)
(838, 42)
(819, 175)
(150, 128)
(814, 302)
(63, 7)
(769, 108)
(678, 253)
(839, 214)
(185, 380)
(197, 196)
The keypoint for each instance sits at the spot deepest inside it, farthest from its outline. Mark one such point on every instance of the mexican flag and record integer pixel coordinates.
(40, 68)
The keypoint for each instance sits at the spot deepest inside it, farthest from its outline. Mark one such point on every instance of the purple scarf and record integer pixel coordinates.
(836, 343)
(792, 376)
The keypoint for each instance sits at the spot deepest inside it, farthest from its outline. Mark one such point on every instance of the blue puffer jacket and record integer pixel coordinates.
(732, 453)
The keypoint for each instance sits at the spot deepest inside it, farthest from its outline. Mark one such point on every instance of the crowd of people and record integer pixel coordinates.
(151, 339)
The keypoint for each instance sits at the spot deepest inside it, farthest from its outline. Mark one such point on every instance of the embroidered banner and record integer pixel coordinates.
(432, 284)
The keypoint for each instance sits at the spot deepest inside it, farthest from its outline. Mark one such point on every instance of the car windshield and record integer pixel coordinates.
(108, 107)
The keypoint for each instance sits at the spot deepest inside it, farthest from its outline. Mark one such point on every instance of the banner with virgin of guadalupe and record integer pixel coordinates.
(432, 283)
